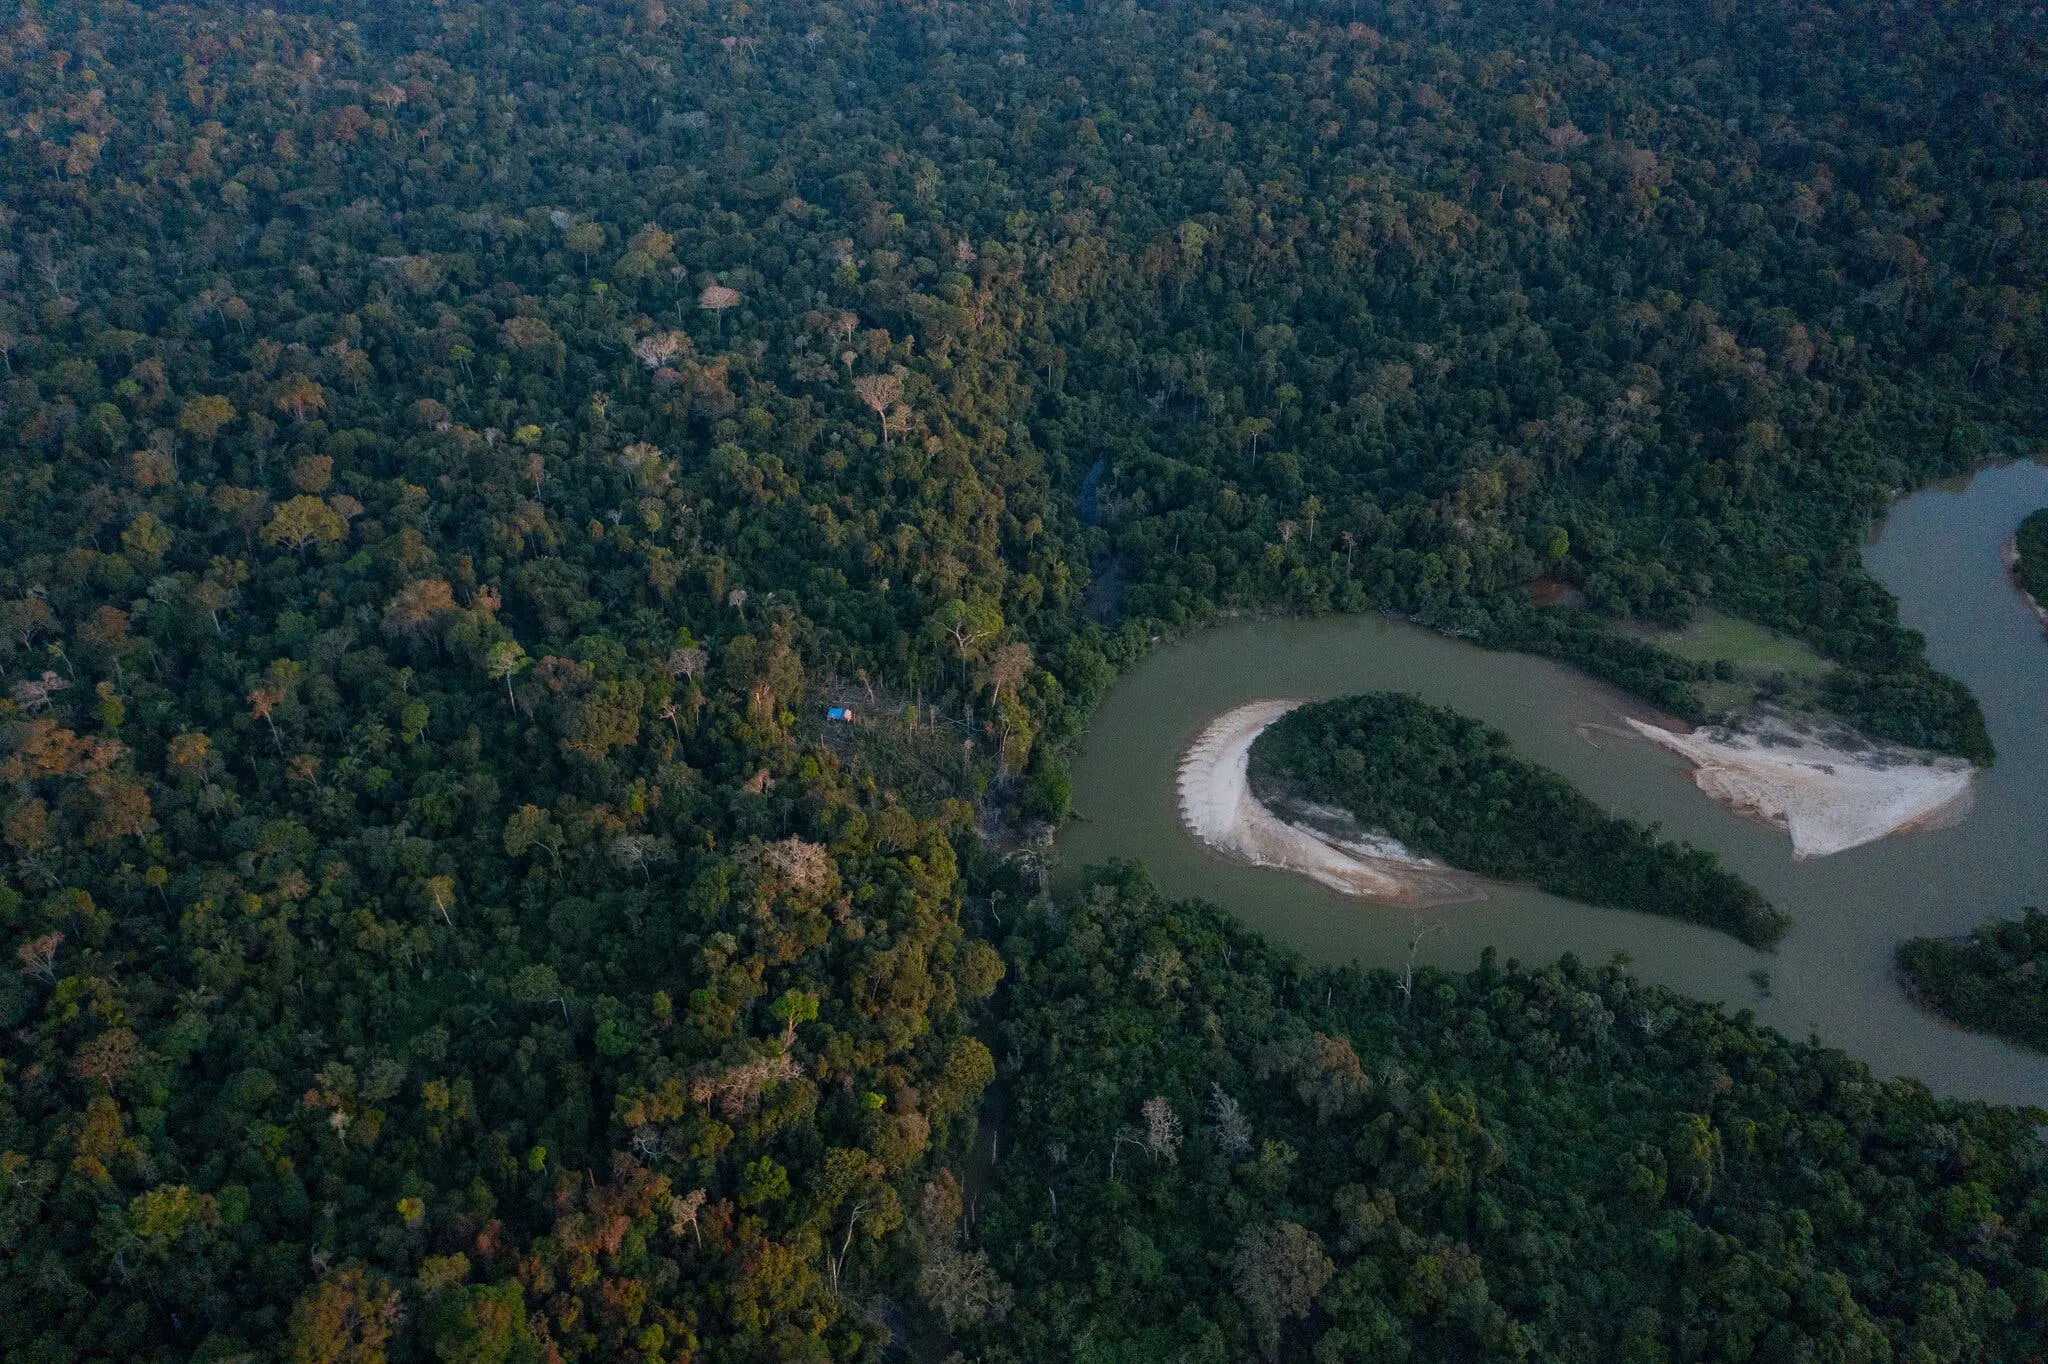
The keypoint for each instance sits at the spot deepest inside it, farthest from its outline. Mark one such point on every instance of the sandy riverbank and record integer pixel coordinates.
(1216, 803)
(1830, 789)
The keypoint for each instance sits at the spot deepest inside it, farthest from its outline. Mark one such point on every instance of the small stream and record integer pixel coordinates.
(1831, 977)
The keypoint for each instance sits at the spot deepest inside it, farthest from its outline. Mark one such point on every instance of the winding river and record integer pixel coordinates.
(1831, 977)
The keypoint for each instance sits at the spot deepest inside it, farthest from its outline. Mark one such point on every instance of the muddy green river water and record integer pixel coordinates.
(1831, 977)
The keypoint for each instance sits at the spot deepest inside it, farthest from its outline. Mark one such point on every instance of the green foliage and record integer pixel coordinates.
(1995, 980)
(763, 1181)
(1583, 640)
(1553, 1164)
(1451, 787)
(2030, 543)
(449, 452)
(1049, 790)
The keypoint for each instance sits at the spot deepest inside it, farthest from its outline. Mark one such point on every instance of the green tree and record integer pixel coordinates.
(302, 521)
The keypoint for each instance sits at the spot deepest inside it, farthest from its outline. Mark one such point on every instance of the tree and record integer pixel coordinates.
(300, 396)
(506, 661)
(189, 754)
(218, 590)
(881, 392)
(202, 417)
(1011, 665)
(1250, 429)
(969, 624)
(441, 893)
(531, 827)
(38, 957)
(584, 239)
(530, 335)
(687, 661)
(262, 702)
(639, 852)
(1233, 1130)
(312, 473)
(421, 609)
(123, 808)
(1277, 1271)
(249, 506)
(1693, 1153)
(29, 616)
(683, 1210)
(652, 242)
(957, 1283)
(856, 1181)
(475, 1323)
(155, 467)
(605, 717)
(304, 520)
(656, 349)
(32, 694)
(1162, 1128)
(715, 299)
(147, 539)
(539, 984)
(347, 1318)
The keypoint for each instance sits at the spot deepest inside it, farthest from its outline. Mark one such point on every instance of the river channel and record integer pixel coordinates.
(1831, 977)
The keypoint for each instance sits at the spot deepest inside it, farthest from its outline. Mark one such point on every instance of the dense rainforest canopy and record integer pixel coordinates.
(450, 453)
(1214, 1151)
(1448, 786)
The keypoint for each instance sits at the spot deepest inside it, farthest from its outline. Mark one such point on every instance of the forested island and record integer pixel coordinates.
(1995, 980)
(1448, 786)
(452, 456)
(2030, 560)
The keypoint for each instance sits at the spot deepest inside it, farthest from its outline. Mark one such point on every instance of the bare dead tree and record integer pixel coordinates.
(1423, 928)
(715, 299)
(880, 392)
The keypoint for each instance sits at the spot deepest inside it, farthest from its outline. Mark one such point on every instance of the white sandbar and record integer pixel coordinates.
(1831, 791)
(1217, 805)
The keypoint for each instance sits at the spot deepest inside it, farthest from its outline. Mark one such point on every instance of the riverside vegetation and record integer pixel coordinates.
(1995, 980)
(2030, 564)
(449, 453)
(1213, 1151)
(1449, 786)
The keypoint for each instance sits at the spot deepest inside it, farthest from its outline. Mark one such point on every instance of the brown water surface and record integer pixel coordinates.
(1831, 977)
